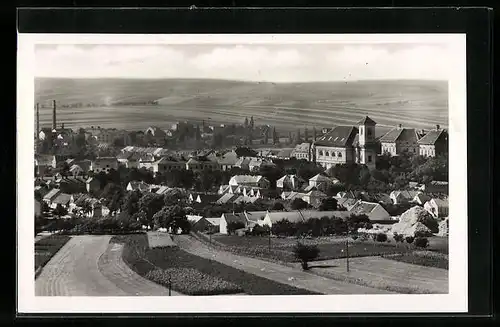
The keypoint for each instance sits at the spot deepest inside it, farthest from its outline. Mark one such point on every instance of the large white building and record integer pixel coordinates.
(348, 144)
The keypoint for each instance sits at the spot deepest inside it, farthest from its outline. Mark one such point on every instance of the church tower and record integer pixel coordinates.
(367, 142)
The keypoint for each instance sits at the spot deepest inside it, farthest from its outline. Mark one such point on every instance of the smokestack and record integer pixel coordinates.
(54, 120)
(37, 122)
(437, 127)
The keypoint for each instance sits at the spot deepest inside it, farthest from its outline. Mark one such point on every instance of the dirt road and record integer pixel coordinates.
(91, 266)
(279, 273)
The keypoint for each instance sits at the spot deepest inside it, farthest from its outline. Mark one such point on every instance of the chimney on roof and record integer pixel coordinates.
(400, 126)
(437, 127)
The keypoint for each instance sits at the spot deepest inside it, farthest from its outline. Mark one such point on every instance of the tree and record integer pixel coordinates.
(305, 253)
(354, 222)
(278, 206)
(297, 136)
(102, 178)
(275, 136)
(258, 230)
(251, 123)
(284, 228)
(60, 211)
(44, 207)
(380, 237)
(65, 169)
(246, 122)
(131, 202)
(421, 242)
(398, 238)
(86, 207)
(234, 225)
(299, 204)
(245, 152)
(328, 204)
(272, 173)
(150, 204)
(334, 189)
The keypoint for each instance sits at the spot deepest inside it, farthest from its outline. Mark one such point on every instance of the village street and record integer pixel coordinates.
(91, 266)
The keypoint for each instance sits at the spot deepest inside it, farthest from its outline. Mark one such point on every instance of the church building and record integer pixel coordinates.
(347, 144)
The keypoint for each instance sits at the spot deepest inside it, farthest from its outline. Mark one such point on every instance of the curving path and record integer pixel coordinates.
(91, 266)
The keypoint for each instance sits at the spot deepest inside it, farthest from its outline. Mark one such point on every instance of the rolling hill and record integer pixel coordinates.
(289, 106)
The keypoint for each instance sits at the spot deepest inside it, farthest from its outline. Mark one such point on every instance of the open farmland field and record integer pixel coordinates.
(420, 104)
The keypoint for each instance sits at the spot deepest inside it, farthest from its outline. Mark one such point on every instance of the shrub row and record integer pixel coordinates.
(190, 281)
(98, 226)
(324, 226)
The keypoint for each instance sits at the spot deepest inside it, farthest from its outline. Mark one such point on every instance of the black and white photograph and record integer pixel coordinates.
(242, 172)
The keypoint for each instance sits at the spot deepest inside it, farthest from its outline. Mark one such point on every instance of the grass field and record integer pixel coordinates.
(282, 248)
(146, 262)
(421, 258)
(47, 247)
(421, 104)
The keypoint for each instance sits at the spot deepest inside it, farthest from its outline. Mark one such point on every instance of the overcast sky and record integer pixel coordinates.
(276, 63)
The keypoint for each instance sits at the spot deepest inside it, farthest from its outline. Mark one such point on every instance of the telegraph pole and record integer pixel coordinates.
(169, 284)
(347, 253)
(269, 239)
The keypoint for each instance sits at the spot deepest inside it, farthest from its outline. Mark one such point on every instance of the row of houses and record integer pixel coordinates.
(250, 219)
(359, 144)
(74, 203)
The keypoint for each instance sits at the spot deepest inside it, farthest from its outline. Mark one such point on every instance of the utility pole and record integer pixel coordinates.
(347, 253)
(269, 239)
(169, 284)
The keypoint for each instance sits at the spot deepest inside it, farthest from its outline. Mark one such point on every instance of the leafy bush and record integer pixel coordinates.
(278, 206)
(299, 204)
(409, 239)
(305, 253)
(398, 238)
(354, 222)
(283, 228)
(234, 225)
(190, 281)
(421, 242)
(380, 237)
(258, 230)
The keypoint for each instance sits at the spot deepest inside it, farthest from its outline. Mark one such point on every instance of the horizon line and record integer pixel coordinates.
(239, 80)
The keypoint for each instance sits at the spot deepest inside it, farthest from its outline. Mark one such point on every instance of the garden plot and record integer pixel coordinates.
(159, 240)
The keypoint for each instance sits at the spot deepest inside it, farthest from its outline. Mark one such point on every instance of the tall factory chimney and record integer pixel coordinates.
(37, 122)
(54, 120)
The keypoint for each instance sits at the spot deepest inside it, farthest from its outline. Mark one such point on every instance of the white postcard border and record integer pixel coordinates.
(455, 301)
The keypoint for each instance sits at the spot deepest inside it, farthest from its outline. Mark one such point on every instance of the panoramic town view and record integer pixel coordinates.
(185, 170)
